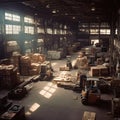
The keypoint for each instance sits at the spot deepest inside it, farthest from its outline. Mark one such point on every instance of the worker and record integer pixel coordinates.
(81, 61)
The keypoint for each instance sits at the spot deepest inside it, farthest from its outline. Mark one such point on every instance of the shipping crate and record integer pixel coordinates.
(89, 116)
(95, 71)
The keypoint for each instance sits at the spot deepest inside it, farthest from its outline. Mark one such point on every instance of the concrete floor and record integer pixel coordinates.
(57, 104)
(46, 101)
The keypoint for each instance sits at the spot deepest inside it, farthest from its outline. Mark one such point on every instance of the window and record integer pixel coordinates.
(64, 32)
(65, 26)
(85, 30)
(40, 30)
(28, 20)
(60, 25)
(16, 29)
(61, 31)
(94, 31)
(29, 29)
(94, 41)
(49, 30)
(12, 17)
(55, 31)
(104, 25)
(83, 25)
(16, 18)
(12, 29)
(8, 29)
(94, 25)
(116, 31)
(105, 31)
(8, 16)
(40, 41)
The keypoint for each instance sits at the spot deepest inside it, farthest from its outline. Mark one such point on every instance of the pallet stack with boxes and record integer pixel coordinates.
(37, 58)
(25, 63)
(34, 69)
(36, 61)
(31, 64)
(8, 76)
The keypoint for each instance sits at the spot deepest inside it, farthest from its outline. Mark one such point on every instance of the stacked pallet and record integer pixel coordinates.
(31, 64)
(8, 76)
(34, 69)
(28, 64)
(37, 58)
(25, 65)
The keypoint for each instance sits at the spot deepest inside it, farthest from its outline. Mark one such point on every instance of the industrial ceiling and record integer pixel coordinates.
(70, 10)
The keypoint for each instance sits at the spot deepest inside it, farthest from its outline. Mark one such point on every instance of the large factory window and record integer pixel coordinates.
(105, 25)
(8, 29)
(65, 26)
(12, 29)
(49, 30)
(28, 20)
(40, 30)
(105, 31)
(94, 31)
(54, 31)
(29, 29)
(16, 29)
(12, 17)
(116, 31)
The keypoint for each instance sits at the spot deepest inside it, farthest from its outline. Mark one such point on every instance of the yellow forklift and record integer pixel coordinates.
(90, 93)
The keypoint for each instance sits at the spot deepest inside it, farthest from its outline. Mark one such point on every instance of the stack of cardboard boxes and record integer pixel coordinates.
(8, 76)
(31, 64)
(25, 64)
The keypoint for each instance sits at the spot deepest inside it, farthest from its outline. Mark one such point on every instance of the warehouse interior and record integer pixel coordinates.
(59, 59)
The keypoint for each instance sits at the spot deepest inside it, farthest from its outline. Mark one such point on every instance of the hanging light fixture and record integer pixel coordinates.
(92, 6)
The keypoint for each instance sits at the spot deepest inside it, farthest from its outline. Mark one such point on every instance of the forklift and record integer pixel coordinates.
(90, 93)
(46, 72)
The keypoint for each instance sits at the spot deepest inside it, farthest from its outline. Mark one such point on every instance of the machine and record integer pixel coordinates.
(90, 93)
